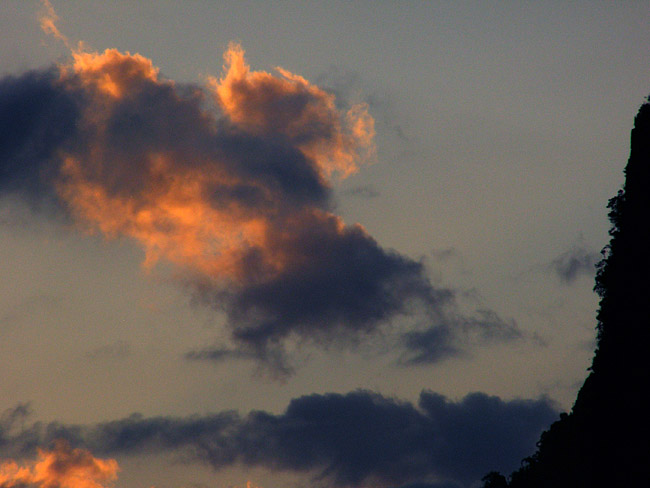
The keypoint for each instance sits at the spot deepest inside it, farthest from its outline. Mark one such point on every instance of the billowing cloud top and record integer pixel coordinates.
(291, 107)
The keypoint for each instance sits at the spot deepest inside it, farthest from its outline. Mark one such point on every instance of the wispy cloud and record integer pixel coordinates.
(433, 344)
(577, 261)
(48, 20)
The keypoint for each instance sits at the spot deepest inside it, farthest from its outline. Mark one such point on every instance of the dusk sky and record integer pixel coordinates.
(296, 244)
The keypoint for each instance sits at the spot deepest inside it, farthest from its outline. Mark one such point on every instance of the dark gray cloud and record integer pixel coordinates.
(37, 118)
(575, 262)
(17, 437)
(355, 439)
(428, 346)
(270, 361)
(450, 338)
(350, 287)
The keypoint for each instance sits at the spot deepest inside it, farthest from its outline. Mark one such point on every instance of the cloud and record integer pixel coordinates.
(48, 19)
(290, 107)
(17, 438)
(61, 467)
(450, 338)
(9, 419)
(575, 262)
(357, 439)
(37, 118)
(428, 346)
(230, 182)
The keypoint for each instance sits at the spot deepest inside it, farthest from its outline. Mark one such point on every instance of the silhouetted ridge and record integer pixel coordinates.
(605, 439)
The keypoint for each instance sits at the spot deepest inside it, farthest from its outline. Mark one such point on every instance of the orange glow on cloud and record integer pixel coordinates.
(294, 108)
(172, 215)
(113, 72)
(173, 220)
(230, 183)
(48, 19)
(62, 467)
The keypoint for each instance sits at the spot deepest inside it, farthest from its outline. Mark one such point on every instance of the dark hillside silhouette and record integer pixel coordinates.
(605, 440)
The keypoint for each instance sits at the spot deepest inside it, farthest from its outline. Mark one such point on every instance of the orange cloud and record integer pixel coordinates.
(48, 19)
(62, 467)
(238, 199)
(113, 72)
(296, 109)
(172, 219)
(172, 212)
(236, 194)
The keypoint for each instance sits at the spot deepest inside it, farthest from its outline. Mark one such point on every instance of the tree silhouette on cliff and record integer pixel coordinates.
(605, 439)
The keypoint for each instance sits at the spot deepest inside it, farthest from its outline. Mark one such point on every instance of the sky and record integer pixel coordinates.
(292, 244)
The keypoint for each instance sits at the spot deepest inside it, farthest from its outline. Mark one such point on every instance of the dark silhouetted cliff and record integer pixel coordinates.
(605, 439)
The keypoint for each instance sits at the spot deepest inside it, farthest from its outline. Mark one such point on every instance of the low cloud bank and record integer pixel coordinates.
(355, 439)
